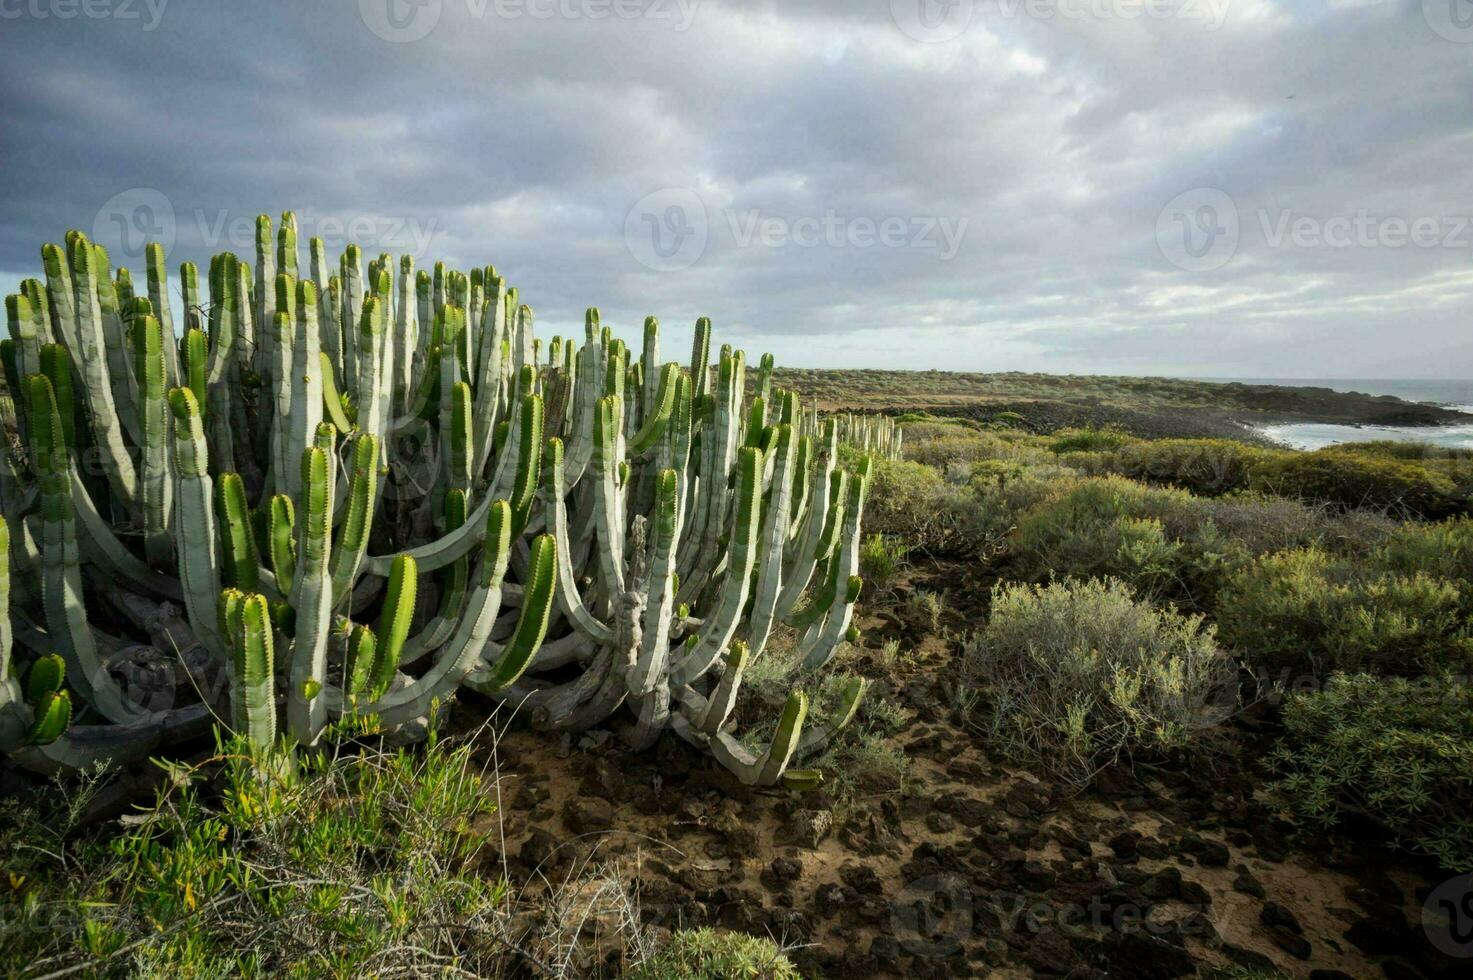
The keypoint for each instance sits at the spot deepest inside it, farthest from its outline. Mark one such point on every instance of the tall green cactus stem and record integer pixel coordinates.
(252, 690)
(155, 490)
(306, 386)
(242, 561)
(197, 554)
(352, 543)
(312, 602)
(281, 534)
(158, 296)
(90, 359)
(61, 580)
(14, 715)
(196, 364)
(393, 627)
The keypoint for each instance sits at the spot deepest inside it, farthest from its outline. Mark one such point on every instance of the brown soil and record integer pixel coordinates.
(975, 869)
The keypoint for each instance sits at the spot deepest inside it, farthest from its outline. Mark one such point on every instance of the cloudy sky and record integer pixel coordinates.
(1200, 187)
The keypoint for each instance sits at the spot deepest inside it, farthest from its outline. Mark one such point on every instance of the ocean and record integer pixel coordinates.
(1453, 394)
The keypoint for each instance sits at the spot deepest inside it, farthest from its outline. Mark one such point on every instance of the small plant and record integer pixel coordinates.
(921, 611)
(1089, 440)
(1397, 751)
(880, 558)
(705, 954)
(1076, 675)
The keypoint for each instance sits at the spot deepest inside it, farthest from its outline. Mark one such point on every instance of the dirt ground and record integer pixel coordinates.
(974, 869)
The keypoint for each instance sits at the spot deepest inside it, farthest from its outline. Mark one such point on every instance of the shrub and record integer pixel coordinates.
(1089, 439)
(705, 954)
(880, 557)
(1354, 479)
(1205, 466)
(1011, 420)
(1306, 612)
(914, 503)
(1102, 527)
(1444, 550)
(1397, 751)
(1077, 674)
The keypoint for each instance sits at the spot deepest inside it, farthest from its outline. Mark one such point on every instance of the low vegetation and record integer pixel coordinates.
(1396, 752)
(1079, 674)
(1137, 578)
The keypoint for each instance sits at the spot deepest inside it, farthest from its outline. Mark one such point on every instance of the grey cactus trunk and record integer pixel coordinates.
(354, 495)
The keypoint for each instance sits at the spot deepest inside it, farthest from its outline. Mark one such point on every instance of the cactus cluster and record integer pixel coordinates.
(327, 492)
(876, 435)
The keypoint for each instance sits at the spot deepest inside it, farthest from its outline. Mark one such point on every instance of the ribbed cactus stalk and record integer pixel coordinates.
(584, 533)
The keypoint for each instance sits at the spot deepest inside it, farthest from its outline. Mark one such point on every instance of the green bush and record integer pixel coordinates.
(1397, 751)
(1347, 478)
(705, 954)
(1443, 550)
(879, 559)
(1205, 466)
(1089, 439)
(1074, 675)
(1395, 449)
(1102, 527)
(913, 503)
(1309, 613)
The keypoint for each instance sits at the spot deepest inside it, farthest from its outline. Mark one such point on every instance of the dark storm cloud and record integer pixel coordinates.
(919, 183)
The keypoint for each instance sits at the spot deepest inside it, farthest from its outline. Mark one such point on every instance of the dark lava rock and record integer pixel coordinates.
(1397, 970)
(1150, 847)
(1037, 876)
(1194, 894)
(808, 827)
(1138, 954)
(940, 823)
(829, 899)
(541, 850)
(1381, 935)
(971, 812)
(1025, 800)
(1248, 885)
(1249, 959)
(1213, 854)
(1290, 942)
(1164, 884)
(862, 878)
(1049, 952)
(1275, 914)
(588, 814)
(1126, 844)
(886, 953)
(1329, 975)
(781, 871)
